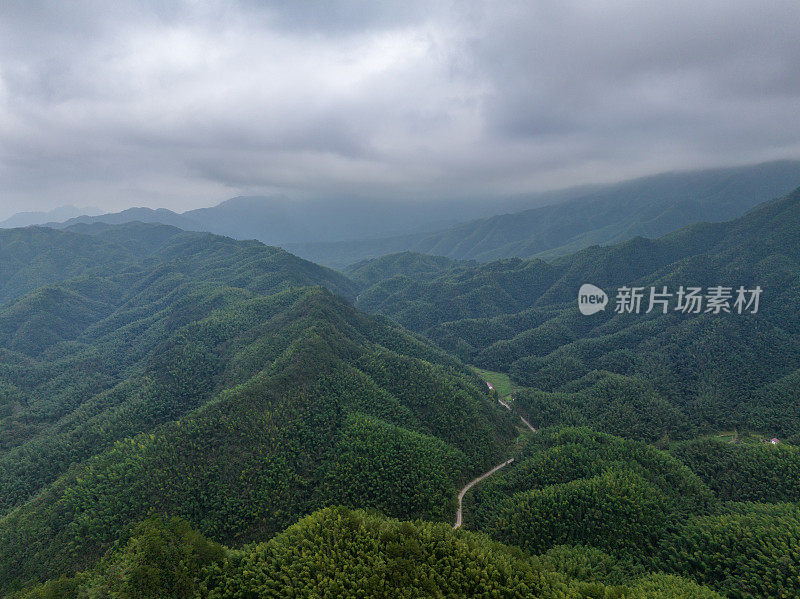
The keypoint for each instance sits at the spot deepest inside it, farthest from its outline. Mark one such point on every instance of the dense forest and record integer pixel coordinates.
(186, 415)
(338, 552)
(650, 511)
(193, 375)
(646, 375)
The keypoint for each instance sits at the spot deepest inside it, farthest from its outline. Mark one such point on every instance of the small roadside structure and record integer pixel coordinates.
(488, 384)
(774, 440)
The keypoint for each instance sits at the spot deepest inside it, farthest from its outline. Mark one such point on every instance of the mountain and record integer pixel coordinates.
(644, 507)
(283, 221)
(187, 415)
(37, 256)
(637, 375)
(345, 553)
(338, 232)
(221, 381)
(405, 264)
(26, 219)
(144, 215)
(574, 219)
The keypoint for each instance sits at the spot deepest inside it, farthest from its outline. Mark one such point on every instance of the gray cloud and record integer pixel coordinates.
(185, 104)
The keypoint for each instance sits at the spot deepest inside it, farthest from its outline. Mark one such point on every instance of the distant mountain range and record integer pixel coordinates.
(26, 219)
(345, 231)
(283, 221)
(650, 207)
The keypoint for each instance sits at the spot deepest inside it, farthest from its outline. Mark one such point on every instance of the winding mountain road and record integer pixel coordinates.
(472, 483)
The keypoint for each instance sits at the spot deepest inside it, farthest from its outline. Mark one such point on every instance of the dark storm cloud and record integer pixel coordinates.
(185, 104)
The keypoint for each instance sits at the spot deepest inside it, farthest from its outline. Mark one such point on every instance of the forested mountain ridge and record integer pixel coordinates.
(649, 207)
(346, 553)
(84, 356)
(36, 256)
(692, 371)
(215, 380)
(223, 382)
(340, 232)
(647, 509)
(595, 515)
(408, 264)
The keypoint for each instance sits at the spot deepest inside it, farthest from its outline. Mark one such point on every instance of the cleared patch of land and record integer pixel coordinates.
(499, 381)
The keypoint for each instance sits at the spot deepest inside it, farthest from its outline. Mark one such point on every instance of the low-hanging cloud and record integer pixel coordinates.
(138, 103)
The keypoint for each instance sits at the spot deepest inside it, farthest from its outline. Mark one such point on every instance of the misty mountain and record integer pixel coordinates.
(650, 207)
(337, 232)
(26, 219)
(642, 375)
(148, 372)
(281, 221)
(143, 215)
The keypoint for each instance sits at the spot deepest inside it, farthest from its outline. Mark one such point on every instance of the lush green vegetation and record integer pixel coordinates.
(405, 264)
(647, 510)
(200, 381)
(341, 553)
(163, 393)
(749, 550)
(646, 376)
(580, 487)
(745, 471)
(159, 558)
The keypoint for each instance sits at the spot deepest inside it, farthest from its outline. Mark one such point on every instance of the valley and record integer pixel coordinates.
(166, 392)
(399, 300)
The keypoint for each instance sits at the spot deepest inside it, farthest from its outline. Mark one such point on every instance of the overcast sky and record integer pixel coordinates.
(185, 104)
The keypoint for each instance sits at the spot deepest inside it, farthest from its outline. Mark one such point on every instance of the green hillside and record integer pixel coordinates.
(579, 487)
(405, 264)
(647, 510)
(218, 381)
(737, 471)
(638, 375)
(343, 553)
(186, 415)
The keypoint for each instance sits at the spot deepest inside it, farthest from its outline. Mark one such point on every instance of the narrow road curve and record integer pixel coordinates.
(460, 512)
(471, 484)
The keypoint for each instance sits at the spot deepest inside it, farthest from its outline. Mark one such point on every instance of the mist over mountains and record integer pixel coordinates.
(26, 219)
(150, 372)
(341, 232)
(575, 219)
(280, 220)
(399, 300)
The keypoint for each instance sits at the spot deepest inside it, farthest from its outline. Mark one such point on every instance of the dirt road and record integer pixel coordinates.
(459, 513)
(471, 484)
(507, 406)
